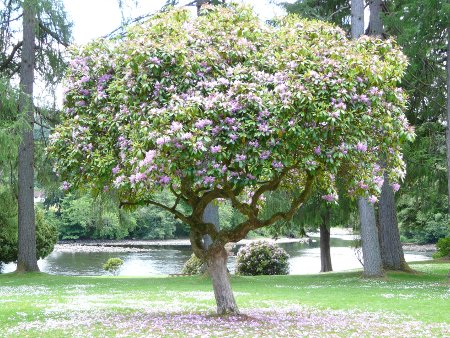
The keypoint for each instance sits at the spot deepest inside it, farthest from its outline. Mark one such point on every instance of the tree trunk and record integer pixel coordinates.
(211, 215)
(375, 23)
(391, 248)
(357, 10)
(369, 239)
(27, 260)
(325, 254)
(448, 116)
(217, 268)
(369, 233)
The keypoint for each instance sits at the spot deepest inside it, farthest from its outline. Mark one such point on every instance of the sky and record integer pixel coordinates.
(95, 18)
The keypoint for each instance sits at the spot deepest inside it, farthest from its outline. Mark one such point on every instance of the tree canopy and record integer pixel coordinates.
(225, 106)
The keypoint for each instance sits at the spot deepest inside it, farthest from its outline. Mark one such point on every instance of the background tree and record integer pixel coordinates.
(389, 237)
(391, 249)
(44, 30)
(336, 11)
(420, 28)
(369, 232)
(225, 107)
(26, 260)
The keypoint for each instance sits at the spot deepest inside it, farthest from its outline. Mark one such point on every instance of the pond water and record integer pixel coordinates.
(164, 260)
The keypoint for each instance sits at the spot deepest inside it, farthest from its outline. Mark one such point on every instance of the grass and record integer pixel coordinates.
(333, 304)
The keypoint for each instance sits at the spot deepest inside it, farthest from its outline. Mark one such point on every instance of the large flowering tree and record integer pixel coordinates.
(226, 107)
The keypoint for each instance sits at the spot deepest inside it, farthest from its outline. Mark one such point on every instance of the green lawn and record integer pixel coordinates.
(334, 304)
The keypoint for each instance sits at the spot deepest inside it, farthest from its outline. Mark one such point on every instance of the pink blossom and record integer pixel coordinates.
(277, 164)
(208, 180)
(264, 128)
(395, 186)
(119, 180)
(317, 150)
(265, 155)
(186, 136)
(164, 179)
(330, 197)
(378, 180)
(372, 199)
(200, 124)
(240, 157)
(254, 144)
(175, 126)
(140, 177)
(362, 147)
(363, 186)
(216, 149)
(162, 140)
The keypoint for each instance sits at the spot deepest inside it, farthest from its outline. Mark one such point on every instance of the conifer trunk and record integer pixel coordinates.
(27, 260)
(369, 239)
(325, 252)
(389, 236)
(357, 11)
(391, 247)
(375, 23)
(369, 231)
(448, 115)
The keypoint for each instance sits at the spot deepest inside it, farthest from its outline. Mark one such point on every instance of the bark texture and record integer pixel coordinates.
(357, 10)
(375, 23)
(369, 239)
(369, 232)
(27, 260)
(211, 215)
(391, 248)
(448, 115)
(325, 254)
(217, 269)
(389, 236)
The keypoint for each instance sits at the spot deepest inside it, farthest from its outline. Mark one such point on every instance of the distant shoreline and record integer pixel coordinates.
(149, 245)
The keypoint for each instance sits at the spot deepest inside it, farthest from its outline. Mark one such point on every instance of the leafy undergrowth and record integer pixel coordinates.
(334, 304)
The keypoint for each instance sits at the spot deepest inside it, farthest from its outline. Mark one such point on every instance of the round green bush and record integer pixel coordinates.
(262, 258)
(443, 248)
(193, 266)
(46, 233)
(113, 265)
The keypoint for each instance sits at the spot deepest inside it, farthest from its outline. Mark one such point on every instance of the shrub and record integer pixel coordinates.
(194, 266)
(262, 258)
(443, 248)
(113, 265)
(46, 232)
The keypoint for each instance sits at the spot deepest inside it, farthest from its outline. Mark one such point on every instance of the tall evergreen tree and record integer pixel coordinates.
(369, 231)
(448, 113)
(389, 236)
(27, 260)
(421, 28)
(44, 31)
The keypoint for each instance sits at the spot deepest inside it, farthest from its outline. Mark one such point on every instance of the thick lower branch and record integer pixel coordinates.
(240, 231)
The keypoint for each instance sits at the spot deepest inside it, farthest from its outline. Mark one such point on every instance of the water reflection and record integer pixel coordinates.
(164, 260)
